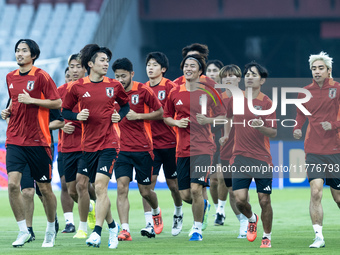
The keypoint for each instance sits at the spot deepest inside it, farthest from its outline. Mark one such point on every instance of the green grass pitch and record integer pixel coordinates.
(292, 229)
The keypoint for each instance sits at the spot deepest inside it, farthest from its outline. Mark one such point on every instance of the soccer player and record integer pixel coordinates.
(136, 149)
(321, 141)
(218, 190)
(200, 49)
(252, 148)
(96, 95)
(164, 138)
(32, 93)
(72, 165)
(230, 75)
(195, 145)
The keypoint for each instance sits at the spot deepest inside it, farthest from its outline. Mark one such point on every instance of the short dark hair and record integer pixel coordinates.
(160, 58)
(34, 48)
(73, 57)
(216, 62)
(199, 58)
(90, 53)
(66, 69)
(122, 63)
(201, 48)
(261, 69)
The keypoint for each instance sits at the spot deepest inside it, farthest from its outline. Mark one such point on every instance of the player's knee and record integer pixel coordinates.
(145, 192)
(173, 187)
(316, 195)
(28, 193)
(186, 197)
(196, 192)
(81, 187)
(264, 202)
(13, 187)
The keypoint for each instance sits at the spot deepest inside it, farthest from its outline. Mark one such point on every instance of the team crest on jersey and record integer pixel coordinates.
(109, 92)
(161, 94)
(258, 107)
(30, 85)
(332, 93)
(135, 99)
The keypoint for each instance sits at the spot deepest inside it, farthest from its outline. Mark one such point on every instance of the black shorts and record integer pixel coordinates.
(324, 167)
(227, 175)
(74, 163)
(100, 162)
(245, 169)
(193, 169)
(28, 182)
(60, 161)
(140, 160)
(38, 159)
(167, 157)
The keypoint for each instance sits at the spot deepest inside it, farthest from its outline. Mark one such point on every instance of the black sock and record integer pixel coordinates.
(98, 230)
(30, 230)
(112, 224)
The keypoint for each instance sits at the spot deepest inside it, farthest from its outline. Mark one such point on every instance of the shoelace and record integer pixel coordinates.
(265, 241)
(252, 227)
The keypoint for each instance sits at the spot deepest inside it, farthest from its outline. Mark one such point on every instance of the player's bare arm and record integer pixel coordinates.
(156, 115)
(203, 120)
(25, 98)
(267, 131)
(56, 124)
(182, 123)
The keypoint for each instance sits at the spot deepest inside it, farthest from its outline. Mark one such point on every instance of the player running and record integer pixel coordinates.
(32, 93)
(195, 146)
(96, 95)
(322, 146)
(136, 149)
(163, 137)
(252, 148)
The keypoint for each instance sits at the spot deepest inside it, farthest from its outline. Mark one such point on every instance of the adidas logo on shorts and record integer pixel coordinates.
(201, 179)
(174, 174)
(267, 188)
(146, 180)
(179, 102)
(43, 178)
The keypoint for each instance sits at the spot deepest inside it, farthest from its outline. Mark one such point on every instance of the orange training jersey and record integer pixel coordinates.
(98, 131)
(324, 106)
(72, 142)
(135, 135)
(195, 139)
(163, 136)
(28, 124)
(248, 141)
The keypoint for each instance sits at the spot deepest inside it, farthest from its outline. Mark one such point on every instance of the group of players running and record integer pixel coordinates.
(120, 126)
